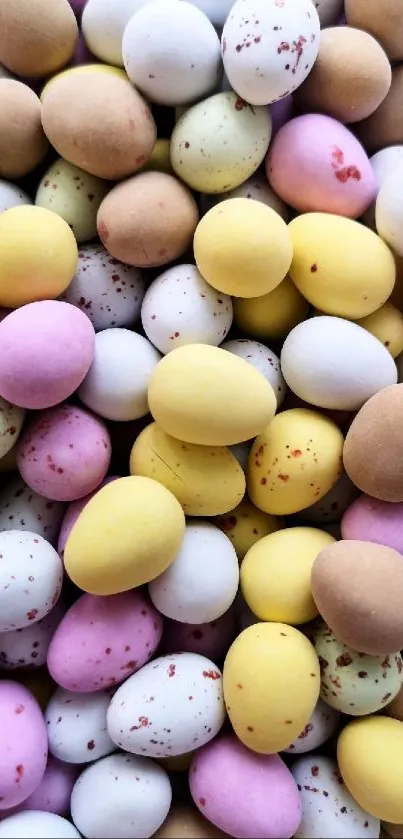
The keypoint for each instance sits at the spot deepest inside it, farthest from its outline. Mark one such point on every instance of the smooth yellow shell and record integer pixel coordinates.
(276, 574)
(160, 158)
(246, 524)
(127, 535)
(204, 395)
(370, 758)
(272, 315)
(206, 480)
(38, 255)
(294, 462)
(386, 324)
(271, 683)
(340, 266)
(242, 247)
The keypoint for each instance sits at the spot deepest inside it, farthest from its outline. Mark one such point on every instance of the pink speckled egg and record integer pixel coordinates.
(315, 164)
(46, 350)
(103, 640)
(209, 639)
(244, 793)
(64, 453)
(24, 744)
(72, 513)
(376, 521)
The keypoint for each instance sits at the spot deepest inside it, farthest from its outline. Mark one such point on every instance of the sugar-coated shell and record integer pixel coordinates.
(256, 188)
(329, 11)
(11, 420)
(383, 164)
(35, 823)
(321, 726)
(71, 515)
(23, 509)
(208, 639)
(36, 41)
(74, 195)
(334, 504)
(76, 726)
(374, 521)
(54, 791)
(103, 24)
(31, 576)
(272, 316)
(388, 211)
(216, 10)
(263, 359)
(28, 646)
(12, 195)
(24, 744)
(246, 524)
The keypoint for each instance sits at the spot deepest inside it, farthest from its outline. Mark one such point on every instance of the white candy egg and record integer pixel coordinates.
(28, 647)
(334, 363)
(328, 810)
(76, 725)
(269, 47)
(202, 582)
(172, 706)
(12, 195)
(219, 143)
(37, 824)
(383, 163)
(216, 10)
(334, 504)
(74, 195)
(103, 23)
(257, 188)
(31, 575)
(263, 359)
(11, 420)
(116, 384)
(109, 292)
(23, 509)
(122, 797)
(181, 308)
(389, 210)
(329, 11)
(182, 61)
(321, 726)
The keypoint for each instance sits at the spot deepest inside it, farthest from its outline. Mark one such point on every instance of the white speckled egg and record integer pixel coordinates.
(23, 509)
(321, 726)
(334, 363)
(28, 647)
(109, 292)
(216, 10)
(328, 809)
(173, 705)
(329, 11)
(263, 359)
(389, 210)
(257, 188)
(383, 163)
(103, 23)
(219, 143)
(31, 576)
(181, 308)
(334, 504)
(37, 824)
(11, 420)
(182, 62)
(76, 726)
(269, 47)
(74, 195)
(12, 195)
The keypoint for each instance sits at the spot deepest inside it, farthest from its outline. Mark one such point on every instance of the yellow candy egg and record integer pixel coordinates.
(276, 574)
(127, 535)
(272, 315)
(206, 480)
(294, 462)
(271, 682)
(370, 758)
(180, 763)
(38, 255)
(202, 394)
(160, 158)
(340, 266)
(386, 324)
(242, 247)
(246, 524)
(84, 68)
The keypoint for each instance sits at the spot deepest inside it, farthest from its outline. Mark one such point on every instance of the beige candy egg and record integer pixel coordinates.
(23, 144)
(329, 11)
(74, 195)
(185, 822)
(385, 126)
(383, 20)
(36, 38)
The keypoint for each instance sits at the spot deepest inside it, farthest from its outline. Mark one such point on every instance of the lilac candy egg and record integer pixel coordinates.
(27, 647)
(209, 639)
(102, 640)
(24, 744)
(321, 726)
(72, 513)
(374, 521)
(23, 509)
(244, 793)
(76, 725)
(82, 54)
(280, 113)
(46, 349)
(54, 791)
(64, 453)
(315, 164)
(31, 576)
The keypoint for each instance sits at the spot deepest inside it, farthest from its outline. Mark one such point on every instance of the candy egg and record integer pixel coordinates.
(103, 23)
(23, 144)
(31, 574)
(74, 195)
(24, 744)
(23, 509)
(209, 639)
(263, 359)
(76, 726)
(329, 11)
(185, 822)
(395, 708)
(36, 41)
(383, 164)
(171, 706)
(331, 507)
(389, 210)
(71, 515)
(385, 25)
(54, 791)
(384, 127)
(321, 726)
(12, 196)
(11, 420)
(216, 10)
(272, 315)
(376, 521)
(255, 188)
(386, 324)
(37, 823)
(245, 525)
(28, 646)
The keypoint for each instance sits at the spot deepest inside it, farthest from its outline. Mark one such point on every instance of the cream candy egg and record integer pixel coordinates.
(203, 579)
(11, 420)
(121, 795)
(76, 726)
(31, 577)
(255, 188)
(37, 824)
(182, 62)
(389, 210)
(74, 195)
(171, 706)
(328, 809)
(28, 646)
(268, 48)
(24, 744)
(263, 359)
(23, 509)
(333, 363)
(383, 163)
(321, 726)
(12, 195)
(109, 292)
(179, 308)
(103, 23)
(115, 386)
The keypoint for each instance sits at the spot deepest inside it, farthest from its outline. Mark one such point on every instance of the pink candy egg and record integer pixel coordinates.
(24, 744)
(54, 791)
(376, 521)
(315, 164)
(64, 453)
(46, 350)
(209, 639)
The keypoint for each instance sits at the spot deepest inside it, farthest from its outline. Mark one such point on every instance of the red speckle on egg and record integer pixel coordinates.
(171, 670)
(19, 773)
(19, 709)
(211, 674)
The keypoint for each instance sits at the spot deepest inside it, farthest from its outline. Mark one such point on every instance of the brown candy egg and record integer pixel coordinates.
(148, 220)
(37, 37)
(22, 142)
(99, 122)
(395, 708)
(383, 20)
(358, 589)
(185, 822)
(351, 75)
(373, 448)
(385, 126)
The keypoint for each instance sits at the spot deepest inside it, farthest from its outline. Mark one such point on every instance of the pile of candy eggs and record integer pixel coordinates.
(201, 400)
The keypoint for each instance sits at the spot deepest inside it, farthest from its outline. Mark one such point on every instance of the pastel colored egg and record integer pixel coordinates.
(184, 822)
(37, 41)
(209, 639)
(256, 188)
(64, 453)
(329, 11)
(238, 403)
(23, 144)
(24, 744)
(263, 359)
(160, 157)
(35, 823)
(31, 576)
(54, 791)
(23, 509)
(114, 545)
(383, 164)
(272, 315)
(121, 634)
(76, 726)
(71, 515)
(12, 196)
(384, 24)
(81, 69)
(246, 524)
(333, 505)
(27, 647)
(321, 726)
(74, 195)
(256, 787)
(384, 127)
(38, 255)
(372, 520)
(103, 25)
(38, 682)
(271, 685)
(386, 324)
(389, 211)
(216, 10)
(11, 421)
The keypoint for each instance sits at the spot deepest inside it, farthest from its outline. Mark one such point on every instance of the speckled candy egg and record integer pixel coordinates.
(103, 23)
(383, 23)
(37, 823)
(374, 521)
(268, 48)
(246, 524)
(209, 639)
(31, 578)
(24, 744)
(74, 195)
(120, 634)
(255, 188)
(219, 143)
(11, 420)
(12, 195)
(27, 647)
(54, 791)
(331, 507)
(263, 359)
(76, 725)
(64, 453)
(321, 726)
(109, 292)
(171, 706)
(179, 308)
(23, 509)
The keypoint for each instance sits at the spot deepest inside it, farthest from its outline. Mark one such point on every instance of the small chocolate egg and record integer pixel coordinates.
(331, 507)
(389, 211)
(329, 11)
(23, 144)
(36, 39)
(384, 127)
(386, 324)
(273, 315)
(74, 195)
(246, 524)
(103, 23)
(256, 188)
(383, 163)
(376, 521)
(384, 22)
(321, 726)
(185, 822)
(262, 359)
(12, 196)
